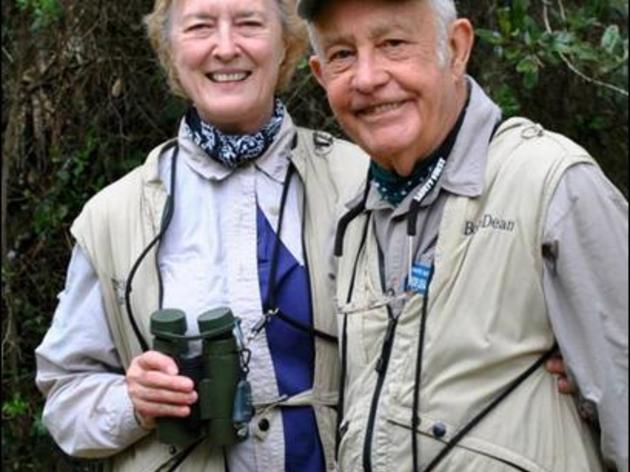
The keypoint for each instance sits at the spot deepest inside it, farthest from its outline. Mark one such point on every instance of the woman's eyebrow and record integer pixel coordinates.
(197, 16)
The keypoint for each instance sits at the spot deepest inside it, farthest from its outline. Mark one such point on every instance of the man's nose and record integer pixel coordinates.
(369, 73)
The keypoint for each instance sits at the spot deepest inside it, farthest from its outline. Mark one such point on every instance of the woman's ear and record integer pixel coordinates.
(460, 43)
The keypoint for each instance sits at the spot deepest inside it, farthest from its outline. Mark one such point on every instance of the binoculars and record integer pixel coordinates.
(224, 405)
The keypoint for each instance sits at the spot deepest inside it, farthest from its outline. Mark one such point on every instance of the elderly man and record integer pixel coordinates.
(477, 246)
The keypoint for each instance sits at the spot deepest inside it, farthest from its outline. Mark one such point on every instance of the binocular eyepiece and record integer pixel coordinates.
(224, 405)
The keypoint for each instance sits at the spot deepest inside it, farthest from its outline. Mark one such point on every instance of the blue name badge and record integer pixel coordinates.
(419, 278)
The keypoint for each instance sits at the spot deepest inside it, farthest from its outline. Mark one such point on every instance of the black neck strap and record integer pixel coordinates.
(167, 216)
(271, 286)
(272, 308)
(350, 215)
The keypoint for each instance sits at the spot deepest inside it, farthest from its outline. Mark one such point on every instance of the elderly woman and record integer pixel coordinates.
(237, 211)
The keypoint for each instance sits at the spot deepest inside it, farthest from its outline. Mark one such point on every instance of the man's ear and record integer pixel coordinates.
(460, 43)
(316, 69)
(283, 57)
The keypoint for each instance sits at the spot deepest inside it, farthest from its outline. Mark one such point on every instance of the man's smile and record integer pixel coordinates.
(376, 111)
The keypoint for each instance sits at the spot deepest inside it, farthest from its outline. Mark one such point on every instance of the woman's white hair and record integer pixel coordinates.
(445, 13)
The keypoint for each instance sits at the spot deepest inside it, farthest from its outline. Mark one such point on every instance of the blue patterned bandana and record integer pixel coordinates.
(393, 187)
(233, 150)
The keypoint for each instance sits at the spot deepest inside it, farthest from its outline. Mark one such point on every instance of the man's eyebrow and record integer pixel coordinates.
(250, 13)
(334, 38)
(381, 29)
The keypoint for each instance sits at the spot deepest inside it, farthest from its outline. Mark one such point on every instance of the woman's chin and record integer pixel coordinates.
(236, 118)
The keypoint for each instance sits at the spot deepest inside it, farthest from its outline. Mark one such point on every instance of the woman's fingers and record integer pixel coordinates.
(156, 390)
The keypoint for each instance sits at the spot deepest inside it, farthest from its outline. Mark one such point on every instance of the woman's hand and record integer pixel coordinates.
(156, 389)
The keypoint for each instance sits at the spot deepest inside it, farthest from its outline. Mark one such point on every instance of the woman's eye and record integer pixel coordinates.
(198, 27)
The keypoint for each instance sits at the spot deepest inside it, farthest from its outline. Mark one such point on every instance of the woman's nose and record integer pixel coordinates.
(226, 47)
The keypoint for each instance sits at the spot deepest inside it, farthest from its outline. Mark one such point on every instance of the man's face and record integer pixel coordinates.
(379, 65)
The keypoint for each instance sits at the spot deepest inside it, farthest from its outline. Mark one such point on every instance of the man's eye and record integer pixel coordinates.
(250, 24)
(339, 55)
(393, 43)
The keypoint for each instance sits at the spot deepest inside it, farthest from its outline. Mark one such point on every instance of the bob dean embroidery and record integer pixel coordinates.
(488, 221)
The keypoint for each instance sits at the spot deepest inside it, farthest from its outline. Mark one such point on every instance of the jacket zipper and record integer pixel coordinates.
(381, 367)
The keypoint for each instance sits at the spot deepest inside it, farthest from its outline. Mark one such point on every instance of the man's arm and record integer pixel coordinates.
(585, 280)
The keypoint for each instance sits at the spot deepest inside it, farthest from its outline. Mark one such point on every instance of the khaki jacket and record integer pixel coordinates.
(120, 221)
(486, 323)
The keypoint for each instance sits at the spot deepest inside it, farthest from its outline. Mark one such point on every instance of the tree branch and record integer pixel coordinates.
(566, 60)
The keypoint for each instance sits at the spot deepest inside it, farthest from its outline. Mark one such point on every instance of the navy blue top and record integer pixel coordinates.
(292, 350)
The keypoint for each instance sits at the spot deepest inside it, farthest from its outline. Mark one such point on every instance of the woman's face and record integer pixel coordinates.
(227, 54)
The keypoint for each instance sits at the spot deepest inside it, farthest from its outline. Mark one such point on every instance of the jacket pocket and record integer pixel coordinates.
(363, 335)
(471, 454)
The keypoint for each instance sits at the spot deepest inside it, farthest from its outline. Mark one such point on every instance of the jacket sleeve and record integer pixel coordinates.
(585, 279)
(88, 410)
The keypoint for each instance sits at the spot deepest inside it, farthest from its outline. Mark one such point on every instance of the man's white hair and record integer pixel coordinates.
(445, 13)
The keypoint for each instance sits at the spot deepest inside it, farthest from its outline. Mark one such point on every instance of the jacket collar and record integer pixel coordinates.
(465, 167)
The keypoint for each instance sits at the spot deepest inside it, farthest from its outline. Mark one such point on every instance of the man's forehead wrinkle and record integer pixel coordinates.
(334, 37)
(377, 29)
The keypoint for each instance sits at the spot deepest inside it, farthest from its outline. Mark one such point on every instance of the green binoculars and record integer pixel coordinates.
(224, 405)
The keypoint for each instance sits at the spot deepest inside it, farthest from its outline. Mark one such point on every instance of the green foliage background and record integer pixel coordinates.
(83, 101)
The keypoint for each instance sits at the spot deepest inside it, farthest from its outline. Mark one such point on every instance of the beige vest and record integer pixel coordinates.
(120, 221)
(486, 323)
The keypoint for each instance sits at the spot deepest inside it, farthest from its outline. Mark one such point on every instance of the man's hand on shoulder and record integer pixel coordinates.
(555, 365)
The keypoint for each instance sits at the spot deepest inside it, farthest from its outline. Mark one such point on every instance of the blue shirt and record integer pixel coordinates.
(292, 350)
